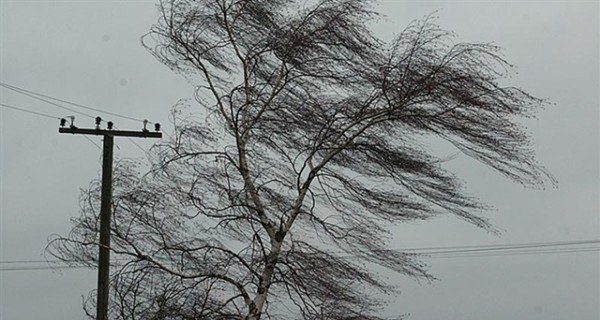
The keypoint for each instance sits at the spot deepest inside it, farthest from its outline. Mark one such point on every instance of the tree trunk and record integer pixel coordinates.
(258, 303)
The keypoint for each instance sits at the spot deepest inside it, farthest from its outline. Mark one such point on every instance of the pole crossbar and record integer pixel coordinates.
(105, 207)
(114, 133)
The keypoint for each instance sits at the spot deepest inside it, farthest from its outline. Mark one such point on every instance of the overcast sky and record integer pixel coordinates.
(89, 52)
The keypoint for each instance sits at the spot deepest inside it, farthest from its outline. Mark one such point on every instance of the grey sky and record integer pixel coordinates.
(89, 52)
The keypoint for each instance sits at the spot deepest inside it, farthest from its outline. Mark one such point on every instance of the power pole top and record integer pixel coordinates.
(114, 133)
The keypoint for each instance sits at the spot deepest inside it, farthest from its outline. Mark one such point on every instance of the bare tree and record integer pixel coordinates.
(278, 202)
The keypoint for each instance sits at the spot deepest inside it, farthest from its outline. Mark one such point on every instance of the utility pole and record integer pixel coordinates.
(105, 202)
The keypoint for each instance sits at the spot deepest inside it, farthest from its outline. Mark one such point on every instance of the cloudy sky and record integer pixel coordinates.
(89, 52)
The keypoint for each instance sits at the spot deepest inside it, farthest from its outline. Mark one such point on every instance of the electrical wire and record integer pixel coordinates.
(514, 253)
(30, 92)
(135, 143)
(43, 115)
(33, 94)
(470, 249)
(41, 268)
(29, 111)
(94, 143)
(442, 252)
(494, 250)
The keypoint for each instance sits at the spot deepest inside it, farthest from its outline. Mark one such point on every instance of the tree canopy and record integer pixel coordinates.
(275, 201)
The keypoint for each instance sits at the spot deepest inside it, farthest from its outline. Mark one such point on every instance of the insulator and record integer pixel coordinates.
(157, 127)
(98, 121)
(109, 125)
(63, 121)
(72, 121)
(145, 123)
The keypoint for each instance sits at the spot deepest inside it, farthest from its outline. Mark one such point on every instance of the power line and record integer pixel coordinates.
(34, 96)
(37, 95)
(534, 252)
(54, 117)
(471, 249)
(42, 115)
(41, 268)
(92, 141)
(496, 250)
(514, 253)
(450, 252)
(29, 111)
(135, 143)
(31, 92)
(426, 250)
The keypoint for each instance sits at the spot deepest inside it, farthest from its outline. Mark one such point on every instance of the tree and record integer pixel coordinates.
(276, 204)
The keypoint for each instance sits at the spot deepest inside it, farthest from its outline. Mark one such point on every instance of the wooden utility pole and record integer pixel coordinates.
(105, 202)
